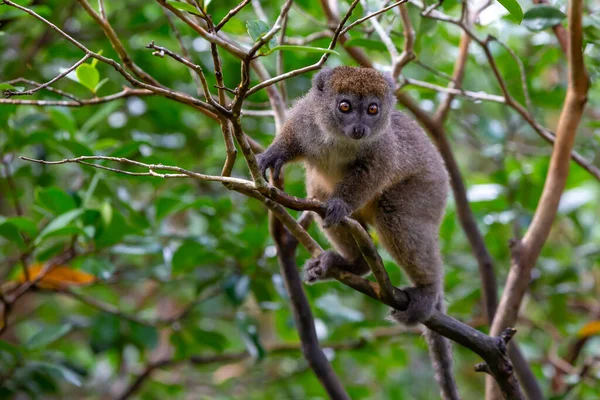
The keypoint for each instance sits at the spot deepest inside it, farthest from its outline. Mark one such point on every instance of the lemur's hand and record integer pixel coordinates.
(337, 210)
(270, 159)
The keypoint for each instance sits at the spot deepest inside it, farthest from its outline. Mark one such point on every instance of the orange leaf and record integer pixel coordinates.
(589, 329)
(58, 277)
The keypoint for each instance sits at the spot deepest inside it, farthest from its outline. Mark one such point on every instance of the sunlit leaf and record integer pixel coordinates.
(88, 76)
(514, 8)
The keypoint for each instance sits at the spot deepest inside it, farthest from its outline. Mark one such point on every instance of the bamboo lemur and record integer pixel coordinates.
(369, 161)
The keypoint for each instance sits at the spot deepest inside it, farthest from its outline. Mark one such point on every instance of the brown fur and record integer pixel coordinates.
(359, 81)
(393, 180)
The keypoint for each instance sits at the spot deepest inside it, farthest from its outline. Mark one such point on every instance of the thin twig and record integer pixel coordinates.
(48, 88)
(127, 92)
(9, 93)
(231, 14)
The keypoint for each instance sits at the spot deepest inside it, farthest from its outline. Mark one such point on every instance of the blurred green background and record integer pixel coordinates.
(154, 247)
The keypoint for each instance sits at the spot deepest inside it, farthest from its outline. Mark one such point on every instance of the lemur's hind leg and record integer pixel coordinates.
(347, 256)
(414, 246)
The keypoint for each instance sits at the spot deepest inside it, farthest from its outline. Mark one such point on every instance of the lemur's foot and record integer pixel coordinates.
(317, 269)
(423, 300)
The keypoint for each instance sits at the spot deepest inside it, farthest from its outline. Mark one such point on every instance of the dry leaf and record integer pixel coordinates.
(589, 329)
(58, 277)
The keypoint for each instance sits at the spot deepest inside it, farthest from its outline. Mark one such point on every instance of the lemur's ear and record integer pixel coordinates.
(322, 77)
(390, 80)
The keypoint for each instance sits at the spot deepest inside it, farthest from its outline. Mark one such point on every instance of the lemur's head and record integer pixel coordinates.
(356, 102)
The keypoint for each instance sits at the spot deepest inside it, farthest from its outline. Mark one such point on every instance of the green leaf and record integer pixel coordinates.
(55, 200)
(366, 43)
(105, 332)
(63, 119)
(67, 231)
(24, 225)
(250, 335)
(11, 349)
(100, 84)
(6, 86)
(59, 223)
(88, 76)
(46, 336)
(237, 288)
(166, 205)
(193, 340)
(10, 232)
(256, 29)
(114, 230)
(184, 7)
(308, 49)
(99, 267)
(514, 8)
(57, 371)
(144, 337)
(542, 16)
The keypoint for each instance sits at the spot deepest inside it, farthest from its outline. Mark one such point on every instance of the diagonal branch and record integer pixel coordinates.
(526, 252)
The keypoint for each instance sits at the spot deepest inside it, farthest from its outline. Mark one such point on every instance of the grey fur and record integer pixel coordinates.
(383, 171)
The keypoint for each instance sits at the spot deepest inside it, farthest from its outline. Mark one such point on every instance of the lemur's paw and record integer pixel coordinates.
(337, 210)
(317, 269)
(268, 160)
(423, 300)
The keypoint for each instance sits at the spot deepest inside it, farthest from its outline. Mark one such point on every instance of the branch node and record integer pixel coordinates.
(483, 367)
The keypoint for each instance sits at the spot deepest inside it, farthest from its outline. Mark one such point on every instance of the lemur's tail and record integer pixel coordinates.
(440, 353)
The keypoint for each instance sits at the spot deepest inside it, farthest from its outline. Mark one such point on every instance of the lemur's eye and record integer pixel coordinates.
(373, 109)
(344, 106)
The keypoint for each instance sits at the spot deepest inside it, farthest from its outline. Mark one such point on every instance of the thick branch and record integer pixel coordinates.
(527, 251)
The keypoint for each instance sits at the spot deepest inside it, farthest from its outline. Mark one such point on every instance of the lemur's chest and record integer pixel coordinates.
(329, 165)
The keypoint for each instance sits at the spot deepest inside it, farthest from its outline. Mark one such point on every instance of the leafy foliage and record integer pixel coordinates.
(155, 251)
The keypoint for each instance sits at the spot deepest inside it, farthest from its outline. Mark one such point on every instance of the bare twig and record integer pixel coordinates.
(116, 43)
(161, 51)
(371, 15)
(312, 67)
(181, 97)
(79, 103)
(231, 14)
(181, 172)
(199, 84)
(48, 88)
(9, 93)
(475, 96)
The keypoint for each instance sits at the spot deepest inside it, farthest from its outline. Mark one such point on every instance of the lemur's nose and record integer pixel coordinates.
(360, 131)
